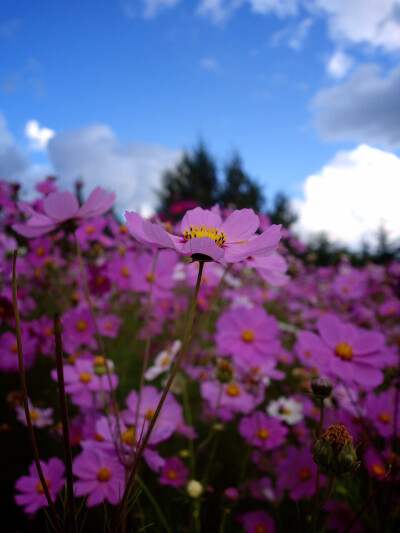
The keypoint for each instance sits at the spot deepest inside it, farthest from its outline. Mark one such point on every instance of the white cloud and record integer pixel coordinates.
(339, 64)
(13, 164)
(209, 63)
(374, 22)
(94, 154)
(149, 8)
(218, 10)
(281, 8)
(352, 196)
(38, 136)
(365, 108)
(221, 10)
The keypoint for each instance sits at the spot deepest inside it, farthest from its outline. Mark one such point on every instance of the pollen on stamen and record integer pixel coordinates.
(217, 235)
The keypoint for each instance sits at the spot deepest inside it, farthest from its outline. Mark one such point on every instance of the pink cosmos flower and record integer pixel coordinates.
(174, 473)
(205, 237)
(249, 334)
(40, 417)
(59, 207)
(233, 398)
(262, 431)
(380, 409)
(101, 477)
(32, 496)
(258, 522)
(345, 351)
(297, 473)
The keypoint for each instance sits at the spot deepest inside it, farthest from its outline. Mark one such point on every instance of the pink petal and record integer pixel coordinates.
(368, 341)
(264, 244)
(147, 232)
(97, 203)
(240, 225)
(199, 216)
(61, 205)
(202, 246)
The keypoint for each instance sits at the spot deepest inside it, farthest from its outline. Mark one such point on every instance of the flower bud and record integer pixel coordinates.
(334, 451)
(194, 489)
(321, 387)
(223, 370)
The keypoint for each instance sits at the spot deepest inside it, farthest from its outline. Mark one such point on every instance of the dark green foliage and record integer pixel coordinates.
(281, 212)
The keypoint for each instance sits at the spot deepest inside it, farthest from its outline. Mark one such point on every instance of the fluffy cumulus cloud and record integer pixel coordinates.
(95, 155)
(13, 164)
(365, 108)
(339, 64)
(38, 136)
(352, 197)
(373, 22)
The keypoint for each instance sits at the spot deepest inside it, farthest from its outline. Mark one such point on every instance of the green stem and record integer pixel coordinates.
(121, 508)
(154, 503)
(316, 492)
(189, 420)
(321, 504)
(31, 433)
(65, 423)
(225, 513)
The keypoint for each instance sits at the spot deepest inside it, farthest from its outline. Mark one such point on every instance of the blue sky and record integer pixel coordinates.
(307, 91)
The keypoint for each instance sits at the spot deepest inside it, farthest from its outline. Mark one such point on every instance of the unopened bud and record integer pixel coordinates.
(223, 370)
(334, 451)
(194, 489)
(321, 387)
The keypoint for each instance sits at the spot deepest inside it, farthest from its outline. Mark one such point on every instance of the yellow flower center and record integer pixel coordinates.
(171, 474)
(165, 360)
(304, 473)
(384, 417)
(98, 437)
(103, 473)
(283, 410)
(232, 389)
(89, 229)
(378, 469)
(39, 486)
(260, 528)
(99, 360)
(202, 231)
(149, 413)
(247, 335)
(81, 325)
(344, 351)
(14, 347)
(128, 436)
(122, 229)
(34, 414)
(262, 433)
(85, 377)
(149, 276)
(125, 271)
(39, 251)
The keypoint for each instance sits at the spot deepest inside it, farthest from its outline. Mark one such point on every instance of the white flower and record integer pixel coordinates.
(286, 409)
(39, 417)
(163, 361)
(194, 488)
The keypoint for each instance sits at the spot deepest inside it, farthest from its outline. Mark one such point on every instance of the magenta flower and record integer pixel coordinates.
(380, 409)
(258, 522)
(32, 495)
(262, 431)
(345, 351)
(101, 477)
(174, 473)
(249, 334)
(296, 473)
(59, 207)
(204, 236)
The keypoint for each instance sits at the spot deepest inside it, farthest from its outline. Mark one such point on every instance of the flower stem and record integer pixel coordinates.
(316, 497)
(121, 508)
(25, 399)
(65, 423)
(154, 503)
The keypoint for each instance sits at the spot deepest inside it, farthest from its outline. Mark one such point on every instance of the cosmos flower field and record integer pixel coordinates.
(198, 376)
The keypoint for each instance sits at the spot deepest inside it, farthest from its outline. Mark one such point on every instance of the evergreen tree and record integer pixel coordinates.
(281, 212)
(239, 190)
(194, 179)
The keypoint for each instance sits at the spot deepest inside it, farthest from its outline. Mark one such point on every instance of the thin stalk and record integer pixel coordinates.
(188, 416)
(154, 503)
(214, 420)
(370, 499)
(121, 507)
(31, 433)
(225, 513)
(65, 423)
(316, 492)
(148, 339)
(86, 292)
(327, 495)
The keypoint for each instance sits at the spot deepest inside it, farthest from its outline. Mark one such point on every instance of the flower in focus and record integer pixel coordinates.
(32, 495)
(205, 237)
(59, 207)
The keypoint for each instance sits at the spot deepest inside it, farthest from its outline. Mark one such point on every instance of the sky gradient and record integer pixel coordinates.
(307, 91)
